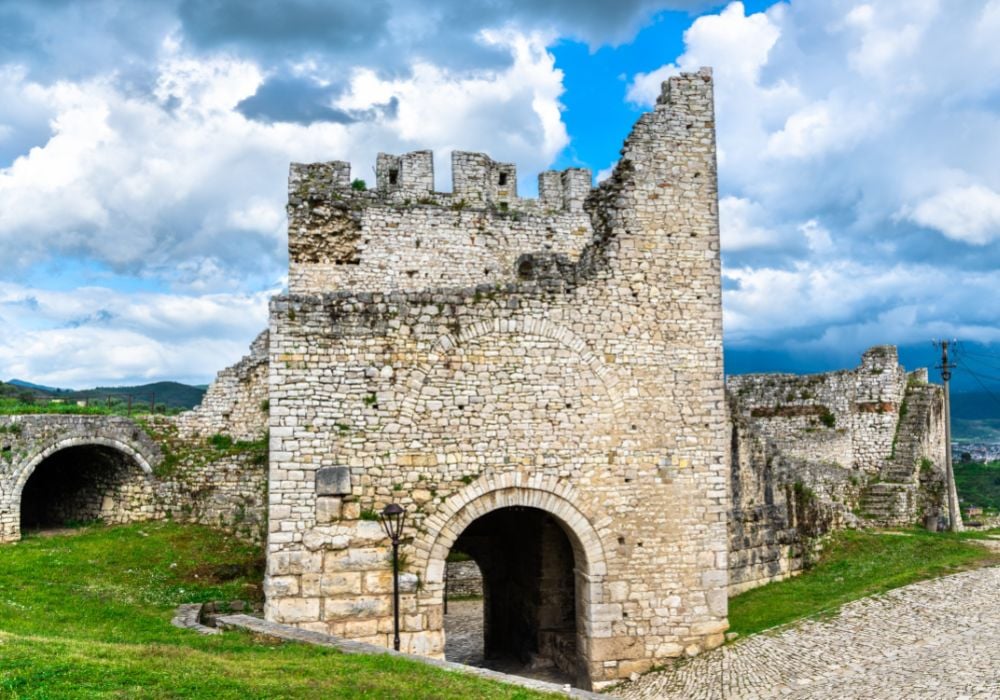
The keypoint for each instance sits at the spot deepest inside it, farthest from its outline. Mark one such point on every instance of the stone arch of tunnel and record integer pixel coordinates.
(80, 480)
(529, 591)
(543, 570)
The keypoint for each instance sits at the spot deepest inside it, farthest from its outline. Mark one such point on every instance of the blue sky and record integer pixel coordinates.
(144, 150)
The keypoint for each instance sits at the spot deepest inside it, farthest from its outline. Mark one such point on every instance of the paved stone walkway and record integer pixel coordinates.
(932, 640)
(464, 644)
(463, 625)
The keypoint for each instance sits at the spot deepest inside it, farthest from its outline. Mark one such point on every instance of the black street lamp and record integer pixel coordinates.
(392, 519)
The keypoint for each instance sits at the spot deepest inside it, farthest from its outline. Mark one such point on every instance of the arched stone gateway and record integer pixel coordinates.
(543, 570)
(577, 400)
(60, 469)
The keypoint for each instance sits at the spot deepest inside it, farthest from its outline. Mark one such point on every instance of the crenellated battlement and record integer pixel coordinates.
(399, 233)
(478, 182)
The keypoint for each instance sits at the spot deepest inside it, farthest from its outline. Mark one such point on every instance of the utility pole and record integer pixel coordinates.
(954, 513)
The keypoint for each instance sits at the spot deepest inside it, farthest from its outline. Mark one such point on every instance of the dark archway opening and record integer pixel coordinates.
(527, 616)
(79, 485)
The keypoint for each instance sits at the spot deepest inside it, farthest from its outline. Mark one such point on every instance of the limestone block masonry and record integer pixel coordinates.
(236, 402)
(465, 353)
(122, 491)
(812, 453)
(90, 467)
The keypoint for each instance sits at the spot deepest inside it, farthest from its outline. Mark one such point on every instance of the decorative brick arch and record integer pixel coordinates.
(542, 328)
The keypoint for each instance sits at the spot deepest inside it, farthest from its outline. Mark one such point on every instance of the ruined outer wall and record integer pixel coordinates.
(818, 452)
(26, 440)
(236, 402)
(847, 417)
(591, 388)
(169, 477)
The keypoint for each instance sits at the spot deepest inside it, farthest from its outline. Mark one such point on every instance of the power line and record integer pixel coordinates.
(979, 358)
(966, 351)
(978, 375)
(979, 380)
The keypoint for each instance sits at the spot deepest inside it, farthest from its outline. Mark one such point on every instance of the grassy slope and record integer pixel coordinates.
(853, 565)
(87, 615)
(979, 484)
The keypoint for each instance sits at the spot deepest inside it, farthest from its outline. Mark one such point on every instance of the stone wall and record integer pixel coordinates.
(464, 579)
(496, 354)
(28, 441)
(236, 403)
(69, 467)
(818, 452)
(340, 238)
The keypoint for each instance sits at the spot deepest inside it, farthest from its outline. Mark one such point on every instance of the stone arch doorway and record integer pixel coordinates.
(79, 481)
(495, 520)
(526, 619)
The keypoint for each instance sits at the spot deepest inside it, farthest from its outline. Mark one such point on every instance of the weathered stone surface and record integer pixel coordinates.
(817, 452)
(333, 481)
(236, 403)
(476, 351)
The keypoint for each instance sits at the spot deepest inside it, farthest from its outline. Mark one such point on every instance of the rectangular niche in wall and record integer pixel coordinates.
(332, 484)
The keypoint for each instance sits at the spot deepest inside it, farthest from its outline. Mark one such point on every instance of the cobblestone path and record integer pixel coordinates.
(464, 644)
(935, 639)
(463, 626)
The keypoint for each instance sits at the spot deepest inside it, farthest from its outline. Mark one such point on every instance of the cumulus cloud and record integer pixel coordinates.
(98, 336)
(180, 177)
(968, 214)
(857, 170)
(855, 304)
(184, 183)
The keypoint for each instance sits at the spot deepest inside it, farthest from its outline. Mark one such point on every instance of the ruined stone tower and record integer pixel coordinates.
(538, 382)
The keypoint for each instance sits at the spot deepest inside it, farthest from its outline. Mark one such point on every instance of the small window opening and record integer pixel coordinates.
(393, 176)
(503, 179)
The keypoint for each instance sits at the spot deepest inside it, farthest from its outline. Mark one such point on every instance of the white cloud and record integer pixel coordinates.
(738, 227)
(817, 236)
(170, 180)
(93, 335)
(847, 304)
(736, 45)
(968, 214)
(858, 143)
(178, 186)
(515, 114)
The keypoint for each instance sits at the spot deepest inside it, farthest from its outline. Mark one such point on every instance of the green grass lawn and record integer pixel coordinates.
(87, 615)
(855, 564)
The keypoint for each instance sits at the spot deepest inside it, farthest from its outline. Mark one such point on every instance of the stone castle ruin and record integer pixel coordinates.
(539, 383)
(819, 452)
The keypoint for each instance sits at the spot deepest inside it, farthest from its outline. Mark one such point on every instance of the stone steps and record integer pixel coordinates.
(888, 503)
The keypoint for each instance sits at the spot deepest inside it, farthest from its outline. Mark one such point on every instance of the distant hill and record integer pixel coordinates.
(38, 387)
(975, 416)
(170, 394)
(173, 395)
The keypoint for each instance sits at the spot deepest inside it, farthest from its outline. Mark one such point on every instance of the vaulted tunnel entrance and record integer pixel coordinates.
(81, 484)
(525, 622)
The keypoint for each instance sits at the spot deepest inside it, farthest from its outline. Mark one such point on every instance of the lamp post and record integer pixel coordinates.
(392, 518)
